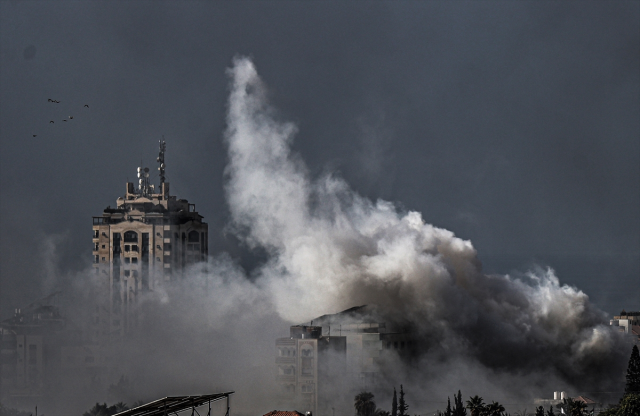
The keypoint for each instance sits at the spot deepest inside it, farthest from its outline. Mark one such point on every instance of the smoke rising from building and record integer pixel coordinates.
(329, 249)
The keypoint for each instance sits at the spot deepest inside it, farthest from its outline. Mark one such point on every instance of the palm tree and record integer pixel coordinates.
(494, 409)
(364, 404)
(475, 405)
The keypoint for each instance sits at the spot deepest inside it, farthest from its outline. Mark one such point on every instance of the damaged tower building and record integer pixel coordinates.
(148, 239)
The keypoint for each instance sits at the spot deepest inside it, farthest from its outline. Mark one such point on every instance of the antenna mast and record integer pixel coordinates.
(163, 147)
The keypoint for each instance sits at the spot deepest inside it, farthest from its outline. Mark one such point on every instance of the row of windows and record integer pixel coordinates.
(132, 236)
(291, 352)
(128, 260)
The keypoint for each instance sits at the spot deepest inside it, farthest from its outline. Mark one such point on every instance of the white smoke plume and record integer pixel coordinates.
(331, 249)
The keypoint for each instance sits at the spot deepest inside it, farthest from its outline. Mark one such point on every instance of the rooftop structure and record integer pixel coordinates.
(629, 323)
(150, 238)
(177, 404)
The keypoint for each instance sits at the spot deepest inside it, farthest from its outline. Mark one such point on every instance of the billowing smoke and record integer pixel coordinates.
(329, 249)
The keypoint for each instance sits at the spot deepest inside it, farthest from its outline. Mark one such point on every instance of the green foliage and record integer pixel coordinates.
(364, 404)
(539, 411)
(550, 411)
(633, 372)
(402, 404)
(629, 406)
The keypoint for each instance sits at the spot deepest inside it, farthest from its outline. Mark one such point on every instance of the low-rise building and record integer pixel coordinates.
(629, 323)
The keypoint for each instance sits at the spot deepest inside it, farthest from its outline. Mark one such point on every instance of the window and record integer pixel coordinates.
(96, 233)
(307, 366)
(307, 352)
(127, 247)
(134, 248)
(130, 237)
(127, 273)
(95, 246)
(134, 260)
(127, 260)
(167, 233)
(194, 237)
(167, 246)
(104, 259)
(103, 246)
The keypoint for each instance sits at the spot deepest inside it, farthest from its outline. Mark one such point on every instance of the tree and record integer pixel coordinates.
(101, 410)
(394, 404)
(573, 407)
(633, 372)
(550, 411)
(402, 405)
(459, 409)
(364, 404)
(475, 405)
(495, 409)
(448, 412)
(629, 405)
(539, 411)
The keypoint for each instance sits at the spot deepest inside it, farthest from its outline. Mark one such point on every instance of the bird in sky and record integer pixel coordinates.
(64, 119)
(86, 105)
(70, 117)
(34, 135)
(50, 121)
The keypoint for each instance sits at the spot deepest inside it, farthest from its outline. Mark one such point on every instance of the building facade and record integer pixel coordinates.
(306, 362)
(149, 238)
(629, 323)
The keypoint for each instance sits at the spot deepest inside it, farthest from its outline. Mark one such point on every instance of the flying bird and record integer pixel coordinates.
(86, 105)
(34, 135)
(49, 100)
(64, 119)
(50, 121)
(70, 117)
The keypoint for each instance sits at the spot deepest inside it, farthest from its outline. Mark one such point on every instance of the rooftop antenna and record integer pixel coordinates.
(163, 147)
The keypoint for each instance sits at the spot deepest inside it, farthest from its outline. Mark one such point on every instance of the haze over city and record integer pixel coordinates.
(473, 168)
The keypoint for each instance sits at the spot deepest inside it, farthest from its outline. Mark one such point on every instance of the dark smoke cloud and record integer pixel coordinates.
(331, 249)
(327, 248)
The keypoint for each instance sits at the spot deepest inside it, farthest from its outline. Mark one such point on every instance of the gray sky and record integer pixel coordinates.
(515, 125)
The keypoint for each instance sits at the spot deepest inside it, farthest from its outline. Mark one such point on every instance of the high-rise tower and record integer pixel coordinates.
(148, 239)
